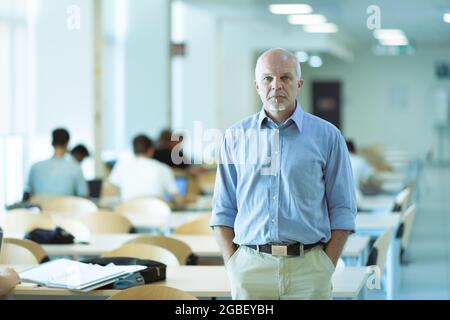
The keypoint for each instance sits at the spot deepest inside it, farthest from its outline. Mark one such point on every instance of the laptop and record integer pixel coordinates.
(95, 188)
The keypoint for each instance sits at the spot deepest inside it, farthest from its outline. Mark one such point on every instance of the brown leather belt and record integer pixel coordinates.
(295, 249)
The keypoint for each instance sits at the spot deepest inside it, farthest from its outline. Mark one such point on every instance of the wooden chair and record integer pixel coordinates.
(152, 292)
(404, 233)
(197, 226)
(179, 248)
(402, 200)
(378, 253)
(19, 222)
(151, 212)
(104, 222)
(66, 205)
(39, 253)
(13, 253)
(144, 251)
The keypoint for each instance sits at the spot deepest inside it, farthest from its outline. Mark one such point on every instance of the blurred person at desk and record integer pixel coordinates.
(79, 153)
(59, 175)
(142, 176)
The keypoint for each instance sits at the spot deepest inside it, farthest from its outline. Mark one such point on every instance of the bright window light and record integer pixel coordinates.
(307, 19)
(302, 56)
(290, 8)
(389, 34)
(315, 61)
(321, 28)
(446, 17)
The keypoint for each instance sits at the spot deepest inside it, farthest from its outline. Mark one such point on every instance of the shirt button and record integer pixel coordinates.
(276, 152)
(273, 220)
(274, 197)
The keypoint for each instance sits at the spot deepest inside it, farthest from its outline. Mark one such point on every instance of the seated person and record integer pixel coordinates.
(142, 176)
(59, 175)
(166, 146)
(363, 173)
(79, 153)
(8, 280)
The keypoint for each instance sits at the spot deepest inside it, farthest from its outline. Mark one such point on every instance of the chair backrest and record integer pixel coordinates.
(36, 249)
(75, 227)
(378, 253)
(67, 204)
(152, 211)
(144, 251)
(13, 253)
(196, 226)
(152, 292)
(22, 221)
(179, 248)
(407, 220)
(106, 222)
(402, 199)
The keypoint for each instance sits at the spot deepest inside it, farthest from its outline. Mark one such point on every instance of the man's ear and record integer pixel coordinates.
(300, 83)
(256, 85)
(150, 152)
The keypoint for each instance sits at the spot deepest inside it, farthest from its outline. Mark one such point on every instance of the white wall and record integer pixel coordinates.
(373, 89)
(147, 68)
(64, 82)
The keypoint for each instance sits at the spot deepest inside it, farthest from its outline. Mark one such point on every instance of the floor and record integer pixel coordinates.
(427, 274)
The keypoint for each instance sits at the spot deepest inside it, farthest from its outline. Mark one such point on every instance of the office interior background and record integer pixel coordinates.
(108, 70)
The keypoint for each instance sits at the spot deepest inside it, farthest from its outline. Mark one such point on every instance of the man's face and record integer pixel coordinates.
(276, 83)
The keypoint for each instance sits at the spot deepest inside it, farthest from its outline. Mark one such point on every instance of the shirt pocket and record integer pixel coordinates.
(305, 179)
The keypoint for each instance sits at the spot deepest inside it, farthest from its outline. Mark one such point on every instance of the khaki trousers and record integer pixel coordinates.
(256, 275)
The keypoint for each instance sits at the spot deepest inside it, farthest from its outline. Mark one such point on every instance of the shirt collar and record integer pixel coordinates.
(296, 117)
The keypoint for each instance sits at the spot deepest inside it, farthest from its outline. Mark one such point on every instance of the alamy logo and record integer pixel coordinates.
(73, 21)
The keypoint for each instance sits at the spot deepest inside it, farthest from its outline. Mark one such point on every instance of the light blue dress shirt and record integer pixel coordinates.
(57, 176)
(284, 183)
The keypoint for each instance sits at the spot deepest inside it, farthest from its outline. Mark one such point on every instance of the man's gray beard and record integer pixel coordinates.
(277, 107)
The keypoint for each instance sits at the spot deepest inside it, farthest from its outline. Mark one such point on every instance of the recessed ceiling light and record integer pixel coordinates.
(389, 34)
(394, 42)
(302, 56)
(290, 8)
(321, 28)
(446, 17)
(307, 19)
(315, 61)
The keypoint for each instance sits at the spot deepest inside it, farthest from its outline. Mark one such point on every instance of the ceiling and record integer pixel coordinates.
(421, 20)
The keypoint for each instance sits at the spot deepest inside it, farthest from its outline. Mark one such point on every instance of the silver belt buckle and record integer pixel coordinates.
(279, 250)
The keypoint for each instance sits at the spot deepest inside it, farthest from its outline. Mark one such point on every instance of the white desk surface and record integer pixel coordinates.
(204, 281)
(377, 202)
(376, 221)
(202, 245)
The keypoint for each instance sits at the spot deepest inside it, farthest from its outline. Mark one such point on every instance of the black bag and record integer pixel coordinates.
(155, 271)
(56, 236)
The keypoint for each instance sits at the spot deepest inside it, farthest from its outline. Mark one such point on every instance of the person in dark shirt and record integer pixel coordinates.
(166, 143)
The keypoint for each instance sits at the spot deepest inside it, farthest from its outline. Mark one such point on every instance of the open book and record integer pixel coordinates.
(75, 275)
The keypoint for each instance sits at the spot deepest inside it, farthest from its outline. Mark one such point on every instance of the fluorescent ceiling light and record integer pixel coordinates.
(394, 42)
(307, 19)
(290, 8)
(389, 34)
(321, 28)
(302, 56)
(446, 17)
(315, 61)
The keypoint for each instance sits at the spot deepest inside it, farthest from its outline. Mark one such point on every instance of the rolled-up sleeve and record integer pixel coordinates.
(339, 186)
(224, 199)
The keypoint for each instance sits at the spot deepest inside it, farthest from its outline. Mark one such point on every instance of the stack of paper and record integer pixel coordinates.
(75, 275)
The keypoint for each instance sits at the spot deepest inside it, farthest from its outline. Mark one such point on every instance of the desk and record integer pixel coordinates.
(201, 245)
(377, 202)
(201, 281)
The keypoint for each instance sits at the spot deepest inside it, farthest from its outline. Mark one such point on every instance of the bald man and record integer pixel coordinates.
(284, 202)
